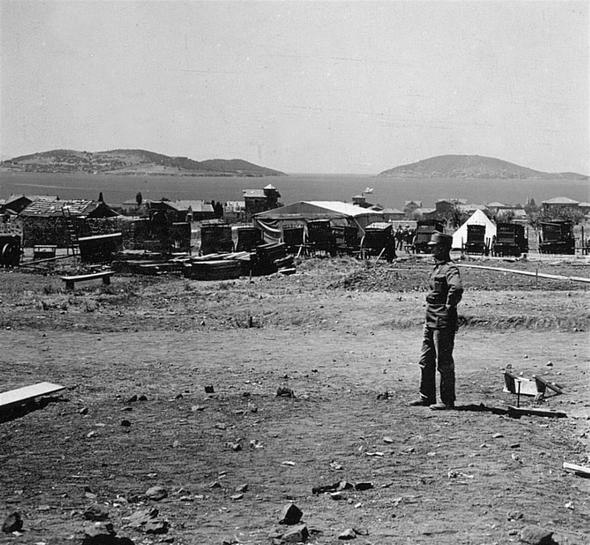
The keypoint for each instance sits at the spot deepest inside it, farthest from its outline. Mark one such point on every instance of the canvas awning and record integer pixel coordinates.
(298, 214)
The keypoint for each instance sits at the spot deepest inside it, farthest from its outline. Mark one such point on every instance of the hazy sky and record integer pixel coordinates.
(300, 86)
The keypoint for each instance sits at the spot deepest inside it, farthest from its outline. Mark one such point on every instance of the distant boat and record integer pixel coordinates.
(368, 190)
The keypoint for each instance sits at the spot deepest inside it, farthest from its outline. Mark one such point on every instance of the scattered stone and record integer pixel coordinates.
(125, 423)
(196, 408)
(243, 488)
(291, 514)
(91, 434)
(549, 364)
(387, 439)
(497, 435)
(179, 396)
(221, 426)
(287, 463)
(515, 445)
(132, 399)
(255, 443)
(142, 397)
(127, 409)
(335, 466)
(363, 485)
(349, 533)
(297, 534)
(383, 395)
(252, 408)
(215, 484)
(236, 447)
(83, 410)
(337, 495)
(156, 493)
(96, 513)
(283, 391)
(156, 527)
(139, 518)
(376, 453)
(532, 535)
(209, 390)
(12, 523)
(236, 497)
(514, 515)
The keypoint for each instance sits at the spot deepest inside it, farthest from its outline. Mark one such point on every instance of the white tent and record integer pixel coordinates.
(477, 218)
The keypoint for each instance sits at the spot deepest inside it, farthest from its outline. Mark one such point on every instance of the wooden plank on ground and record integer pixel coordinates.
(28, 392)
(580, 470)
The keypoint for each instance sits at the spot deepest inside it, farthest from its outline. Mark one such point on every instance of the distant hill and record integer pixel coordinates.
(129, 161)
(472, 166)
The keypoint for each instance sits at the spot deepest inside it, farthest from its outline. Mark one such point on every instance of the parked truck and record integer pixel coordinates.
(557, 237)
(510, 240)
(424, 230)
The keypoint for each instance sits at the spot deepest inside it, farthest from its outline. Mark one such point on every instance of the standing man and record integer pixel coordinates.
(445, 293)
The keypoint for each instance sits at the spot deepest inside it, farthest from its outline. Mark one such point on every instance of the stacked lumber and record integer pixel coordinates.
(269, 258)
(218, 269)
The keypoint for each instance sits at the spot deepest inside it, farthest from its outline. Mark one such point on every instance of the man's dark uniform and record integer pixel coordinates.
(445, 293)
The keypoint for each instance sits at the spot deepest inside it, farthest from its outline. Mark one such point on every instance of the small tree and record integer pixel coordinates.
(100, 197)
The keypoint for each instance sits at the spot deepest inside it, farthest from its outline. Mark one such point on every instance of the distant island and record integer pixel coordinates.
(473, 167)
(130, 162)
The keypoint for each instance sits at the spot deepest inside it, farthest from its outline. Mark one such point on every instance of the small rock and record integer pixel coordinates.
(337, 495)
(132, 399)
(209, 390)
(297, 534)
(12, 523)
(96, 513)
(549, 364)
(532, 535)
(283, 391)
(497, 435)
(514, 515)
(142, 397)
(139, 518)
(243, 488)
(156, 493)
(83, 410)
(236, 497)
(125, 423)
(176, 444)
(363, 485)
(387, 439)
(291, 514)
(156, 527)
(349, 533)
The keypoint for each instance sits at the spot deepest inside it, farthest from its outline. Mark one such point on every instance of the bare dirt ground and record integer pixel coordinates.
(344, 336)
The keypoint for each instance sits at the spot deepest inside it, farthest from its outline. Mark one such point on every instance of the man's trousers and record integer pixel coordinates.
(437, 353)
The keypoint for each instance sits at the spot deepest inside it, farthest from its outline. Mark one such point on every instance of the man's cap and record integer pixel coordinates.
(441, 238)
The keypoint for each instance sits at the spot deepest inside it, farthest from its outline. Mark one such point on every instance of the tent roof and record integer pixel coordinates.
(328, 209)
(561, 200)
(477, 218)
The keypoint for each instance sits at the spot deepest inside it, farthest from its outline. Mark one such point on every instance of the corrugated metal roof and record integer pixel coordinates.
(49, 208)
(196, 206)
(254, 193)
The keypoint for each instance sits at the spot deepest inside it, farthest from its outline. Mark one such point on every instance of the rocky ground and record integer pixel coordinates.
(171, 430)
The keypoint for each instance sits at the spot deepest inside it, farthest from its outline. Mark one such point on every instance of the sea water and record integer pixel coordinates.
(389, 192)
